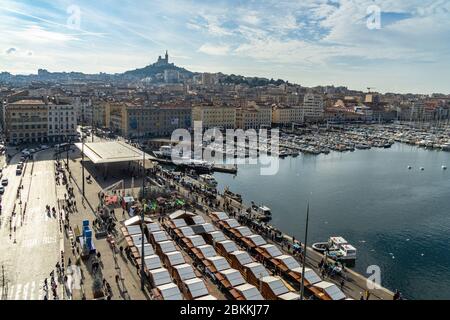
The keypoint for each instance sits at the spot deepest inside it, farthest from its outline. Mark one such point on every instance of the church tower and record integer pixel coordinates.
(167, 57)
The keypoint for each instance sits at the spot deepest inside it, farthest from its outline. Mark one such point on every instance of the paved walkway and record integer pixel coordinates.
(111, 263)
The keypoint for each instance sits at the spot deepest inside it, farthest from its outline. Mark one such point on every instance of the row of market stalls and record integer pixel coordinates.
(238, 274)
(165, 266)
(272, 257)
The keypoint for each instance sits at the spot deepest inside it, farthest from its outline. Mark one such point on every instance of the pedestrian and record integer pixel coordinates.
(117, 278)
(342, 284)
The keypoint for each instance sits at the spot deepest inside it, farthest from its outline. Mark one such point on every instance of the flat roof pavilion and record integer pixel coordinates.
(111, 152)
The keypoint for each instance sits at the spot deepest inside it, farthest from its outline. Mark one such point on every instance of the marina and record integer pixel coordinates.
(373, 201)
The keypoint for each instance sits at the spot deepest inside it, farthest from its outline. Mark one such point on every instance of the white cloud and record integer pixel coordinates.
(214, 50)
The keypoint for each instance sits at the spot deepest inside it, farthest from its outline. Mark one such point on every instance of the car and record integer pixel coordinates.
(44, 147)
(18, 172)
(32, 150)
(2, 190)
(5, 182)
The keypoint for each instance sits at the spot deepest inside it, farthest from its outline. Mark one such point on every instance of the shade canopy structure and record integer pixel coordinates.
(111, 152)
(249, 292)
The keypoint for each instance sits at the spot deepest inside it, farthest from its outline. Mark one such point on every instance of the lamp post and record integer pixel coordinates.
(302, 289)
(143, 211)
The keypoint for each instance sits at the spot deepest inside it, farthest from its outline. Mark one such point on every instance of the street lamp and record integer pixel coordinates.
(302, 289)
(143, 211)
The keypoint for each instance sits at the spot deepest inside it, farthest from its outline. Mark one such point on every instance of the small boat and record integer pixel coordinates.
(409, 167)
(422, 168)
(444, 167)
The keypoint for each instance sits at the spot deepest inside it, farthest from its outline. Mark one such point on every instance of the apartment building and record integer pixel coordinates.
(215, 116)
(286, 115)
(253, 116)
(26, 121)
(135, 120)
(313, 107)
(62, 121)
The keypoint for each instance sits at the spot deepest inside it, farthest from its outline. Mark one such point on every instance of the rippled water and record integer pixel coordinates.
(398, 219)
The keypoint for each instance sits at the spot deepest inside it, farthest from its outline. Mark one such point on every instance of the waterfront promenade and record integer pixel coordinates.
(355, 285)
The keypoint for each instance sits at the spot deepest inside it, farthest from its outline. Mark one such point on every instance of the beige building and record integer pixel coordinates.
(285, 115)
(26, 121)
(313, 107)
(223, 117)
(253, 116)
(134, 120)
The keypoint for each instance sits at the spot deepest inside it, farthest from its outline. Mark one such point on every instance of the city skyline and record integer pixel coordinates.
(310, 43)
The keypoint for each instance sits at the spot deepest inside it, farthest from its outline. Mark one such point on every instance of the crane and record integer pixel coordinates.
(370, 89)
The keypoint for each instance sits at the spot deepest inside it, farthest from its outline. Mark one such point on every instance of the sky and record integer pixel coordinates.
(389, 45)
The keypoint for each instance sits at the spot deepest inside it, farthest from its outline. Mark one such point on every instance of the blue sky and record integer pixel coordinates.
(310, 42)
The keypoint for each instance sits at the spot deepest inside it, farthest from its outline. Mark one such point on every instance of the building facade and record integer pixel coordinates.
(313, 107)
(253, 116)
(26, 121)
(211, 116)
(285, 115)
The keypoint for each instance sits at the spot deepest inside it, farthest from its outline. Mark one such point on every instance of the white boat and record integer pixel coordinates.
(337, 248)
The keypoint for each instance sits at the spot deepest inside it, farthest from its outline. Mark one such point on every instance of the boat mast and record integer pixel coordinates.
(302, 289)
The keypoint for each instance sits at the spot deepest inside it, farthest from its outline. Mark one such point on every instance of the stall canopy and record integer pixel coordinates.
(196, 287)
(181, 214)
(111, 152)
(136, 220)
(220, 263)
(249, 292)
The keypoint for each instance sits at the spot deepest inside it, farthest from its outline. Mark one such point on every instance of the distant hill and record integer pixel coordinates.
(154, 69)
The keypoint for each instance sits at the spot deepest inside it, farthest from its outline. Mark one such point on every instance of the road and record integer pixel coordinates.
(30, 253)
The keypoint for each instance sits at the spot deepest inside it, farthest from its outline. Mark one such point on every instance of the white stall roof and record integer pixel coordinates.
(175, 258)
(170, 291)
(185, 271)
(232, 223)
(220, 263)
(153, 227)
(197, 240)
(179, 223)
(198, 220)
(258, 269)
(243, 257)
(187, 231)
(160, 276)
(289, 261)
(272, 250)
(218, 236)
(203, 228)
(160, 236)
(167, 246)
(136, 220)
(233, 276)
(331, 290)
(310, 275)
(152, 262)
(249, 292)
(148, 249)
(181, 214)
(132, 230)
(221, 215)
(207, 251)
(229, 246)
(276, 285)
(137, 240)
(257, 240)
(244, 231)
(196, 287)
(208, 297)
(289, 296)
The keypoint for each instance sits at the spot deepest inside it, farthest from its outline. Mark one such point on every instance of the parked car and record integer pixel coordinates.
(5, 182)
(2, 190)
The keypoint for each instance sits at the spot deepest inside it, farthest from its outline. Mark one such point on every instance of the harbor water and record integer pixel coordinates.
(397, 218)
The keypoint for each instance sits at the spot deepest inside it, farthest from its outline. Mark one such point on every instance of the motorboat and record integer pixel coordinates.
(337, 248)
